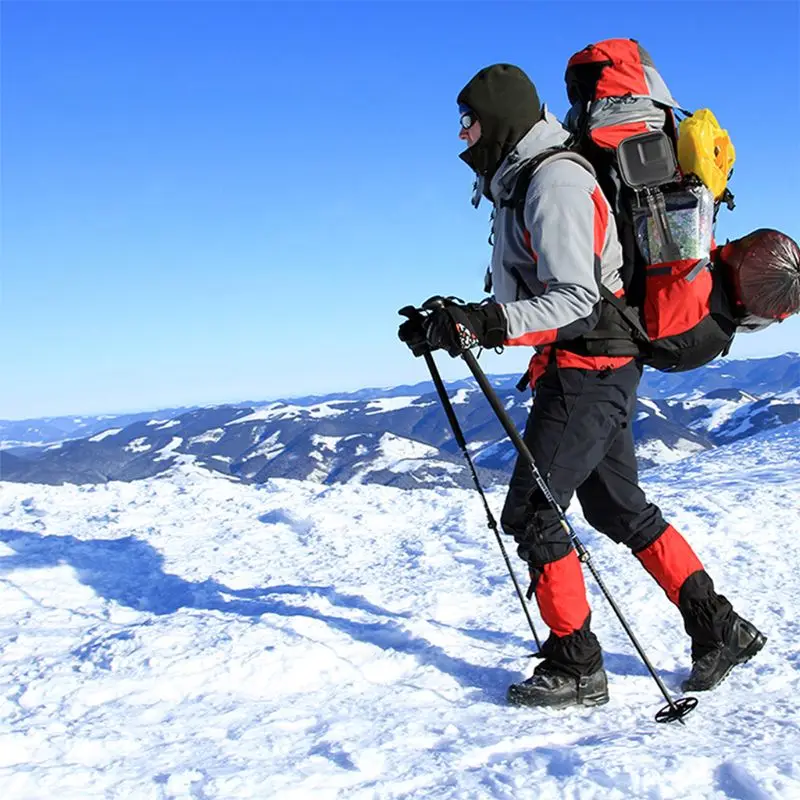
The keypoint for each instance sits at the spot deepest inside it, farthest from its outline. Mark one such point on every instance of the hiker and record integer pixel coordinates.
(550, 255)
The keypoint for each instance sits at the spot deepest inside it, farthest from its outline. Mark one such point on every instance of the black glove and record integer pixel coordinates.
(412, 332)
(456, 327)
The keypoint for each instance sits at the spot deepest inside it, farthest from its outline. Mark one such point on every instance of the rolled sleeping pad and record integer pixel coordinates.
(765, 270)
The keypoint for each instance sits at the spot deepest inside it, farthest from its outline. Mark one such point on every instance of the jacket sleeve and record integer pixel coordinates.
(567, 220)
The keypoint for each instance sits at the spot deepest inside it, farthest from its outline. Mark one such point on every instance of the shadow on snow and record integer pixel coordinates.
(131, 572)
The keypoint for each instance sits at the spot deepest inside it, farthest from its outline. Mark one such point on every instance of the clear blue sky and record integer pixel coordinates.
(218, 201)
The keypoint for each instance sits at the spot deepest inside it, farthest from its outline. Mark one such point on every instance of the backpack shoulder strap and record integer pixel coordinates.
(517, 198)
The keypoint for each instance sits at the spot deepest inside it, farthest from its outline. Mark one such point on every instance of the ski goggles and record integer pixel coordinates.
(468, 117)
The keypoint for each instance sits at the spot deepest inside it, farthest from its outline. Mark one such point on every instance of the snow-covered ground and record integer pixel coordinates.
(191, 637)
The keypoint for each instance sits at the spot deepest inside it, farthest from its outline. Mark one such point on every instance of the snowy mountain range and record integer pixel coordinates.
(395, 437)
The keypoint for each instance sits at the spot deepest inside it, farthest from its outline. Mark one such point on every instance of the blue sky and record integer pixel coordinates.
(219, 201)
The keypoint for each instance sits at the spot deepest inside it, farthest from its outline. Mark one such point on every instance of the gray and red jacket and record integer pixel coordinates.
(546, 275)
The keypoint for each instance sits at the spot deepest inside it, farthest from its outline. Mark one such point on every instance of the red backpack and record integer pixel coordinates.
(684, 297)
(677, 304)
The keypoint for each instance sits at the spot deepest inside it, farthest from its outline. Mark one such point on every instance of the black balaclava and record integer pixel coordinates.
(507, 105)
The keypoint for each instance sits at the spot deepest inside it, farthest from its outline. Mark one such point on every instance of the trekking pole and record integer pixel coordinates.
(458, 433)
(675, 709)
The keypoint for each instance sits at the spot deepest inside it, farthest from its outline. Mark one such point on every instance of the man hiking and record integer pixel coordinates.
(553, 247)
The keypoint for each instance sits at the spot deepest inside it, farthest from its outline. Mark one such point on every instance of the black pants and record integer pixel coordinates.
(580, 435)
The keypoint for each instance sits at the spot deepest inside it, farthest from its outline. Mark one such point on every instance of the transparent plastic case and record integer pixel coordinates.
(690, 214)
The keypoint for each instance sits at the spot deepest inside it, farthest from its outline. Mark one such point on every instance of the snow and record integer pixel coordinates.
(384, 404)
(652, 406)
(211, 436)
(507, 452)
(170, 424)
(326, 442)
(660, 452)
(168, 450)
(477, 445)
(789, 398)
(405, 455)
(190, 636)
(461, 396)
(398, 454)
(744, 422)
(7, 444)
(320, 473)
(720, 411)
(104, 435)
(269, 448)
(276, 411)
(398, 447)
(139, 445)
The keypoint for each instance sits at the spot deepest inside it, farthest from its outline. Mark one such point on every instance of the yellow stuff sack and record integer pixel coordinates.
(706, 150)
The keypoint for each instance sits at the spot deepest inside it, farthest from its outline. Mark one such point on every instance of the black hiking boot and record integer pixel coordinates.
(710, 669)
(550, 688)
